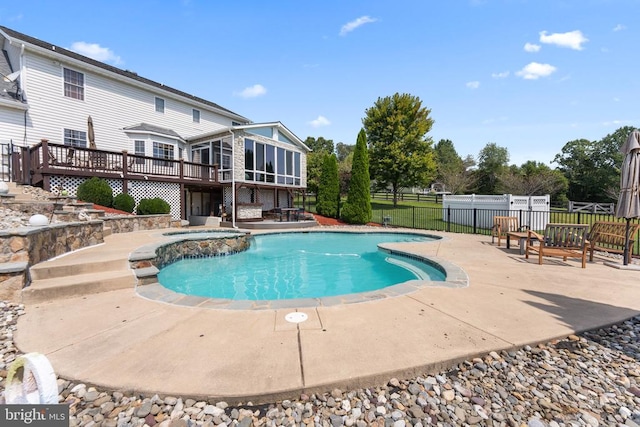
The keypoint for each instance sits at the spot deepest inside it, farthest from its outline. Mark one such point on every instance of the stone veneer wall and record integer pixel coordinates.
(37, 244)
(192, 248)
(129, 223)
(249, 211)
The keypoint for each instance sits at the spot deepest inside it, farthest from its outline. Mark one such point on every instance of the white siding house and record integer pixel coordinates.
(157, 141)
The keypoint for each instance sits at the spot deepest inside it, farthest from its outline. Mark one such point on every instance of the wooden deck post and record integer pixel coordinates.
(125, 172)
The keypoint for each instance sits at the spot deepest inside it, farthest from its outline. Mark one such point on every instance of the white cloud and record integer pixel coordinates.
(350, 26)
(319, 122)
(473, 85)
(615, 122)
(530, 47)
(502, 75)
(97, 52)
(535, 70)
(619, 27)
(252, 91)
(571, 39)
(495, 120)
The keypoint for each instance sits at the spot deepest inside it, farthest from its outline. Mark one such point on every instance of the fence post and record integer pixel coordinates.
(475, 220)
(413, 220)
(448, 218)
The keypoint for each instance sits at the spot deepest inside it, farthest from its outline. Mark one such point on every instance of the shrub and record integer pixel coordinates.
(124, 202)
(95, 190)
(153, 206)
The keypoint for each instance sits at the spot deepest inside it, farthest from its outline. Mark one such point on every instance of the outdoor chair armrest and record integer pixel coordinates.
(534, 235)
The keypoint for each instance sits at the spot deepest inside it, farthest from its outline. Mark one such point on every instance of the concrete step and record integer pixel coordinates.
(60, 269)
(77, 285)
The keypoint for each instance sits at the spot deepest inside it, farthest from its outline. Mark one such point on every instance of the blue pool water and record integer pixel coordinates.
(300, 265)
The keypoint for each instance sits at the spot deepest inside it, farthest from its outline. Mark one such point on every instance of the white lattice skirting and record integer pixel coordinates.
(168, 191)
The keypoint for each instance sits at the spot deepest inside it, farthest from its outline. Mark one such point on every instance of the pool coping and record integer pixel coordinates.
(148, 287)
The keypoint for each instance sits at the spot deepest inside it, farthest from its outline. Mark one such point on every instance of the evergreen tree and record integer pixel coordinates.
(357, 209)
(329, 188)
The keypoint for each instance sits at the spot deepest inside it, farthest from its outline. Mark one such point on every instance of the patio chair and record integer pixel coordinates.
(278, 213)
(561, 240)
(502, 225)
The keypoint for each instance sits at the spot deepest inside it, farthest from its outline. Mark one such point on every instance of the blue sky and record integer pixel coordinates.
(527, 75)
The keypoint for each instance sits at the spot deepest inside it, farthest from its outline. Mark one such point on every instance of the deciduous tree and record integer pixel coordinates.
(453, 172)
(492, 161)
(400, 154)
(593, 167)
(343, 151)
(533, 179)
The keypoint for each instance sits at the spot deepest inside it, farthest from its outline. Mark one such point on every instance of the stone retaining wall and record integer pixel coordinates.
(37, 244)
(129, 223)
(31, 245)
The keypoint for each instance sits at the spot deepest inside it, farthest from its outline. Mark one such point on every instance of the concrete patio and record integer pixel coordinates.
(119, 340)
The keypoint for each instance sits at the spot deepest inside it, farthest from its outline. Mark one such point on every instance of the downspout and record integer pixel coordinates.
(233, 179)
(21, 86)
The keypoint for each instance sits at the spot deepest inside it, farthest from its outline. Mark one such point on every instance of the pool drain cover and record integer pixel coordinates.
(296, 317)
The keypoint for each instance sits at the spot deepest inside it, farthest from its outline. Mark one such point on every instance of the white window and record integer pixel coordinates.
(159, 105)
(73, 84)
(163, 151)
(75, 138)
(138, 147)
(196, 116)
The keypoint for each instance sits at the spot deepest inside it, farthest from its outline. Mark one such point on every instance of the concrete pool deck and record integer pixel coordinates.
(122, 341)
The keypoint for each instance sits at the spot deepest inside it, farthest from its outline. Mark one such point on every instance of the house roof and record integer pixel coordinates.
(148, 128)
(11, 34)
(281, 128)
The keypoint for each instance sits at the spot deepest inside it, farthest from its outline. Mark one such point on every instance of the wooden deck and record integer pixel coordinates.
(38, 163)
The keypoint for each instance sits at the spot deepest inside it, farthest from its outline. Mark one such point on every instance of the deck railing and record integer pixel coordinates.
(47, 158)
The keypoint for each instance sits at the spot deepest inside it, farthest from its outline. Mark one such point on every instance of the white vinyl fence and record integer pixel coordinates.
(532, 211)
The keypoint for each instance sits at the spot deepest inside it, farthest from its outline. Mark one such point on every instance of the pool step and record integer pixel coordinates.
(49, 270)
(76, 285)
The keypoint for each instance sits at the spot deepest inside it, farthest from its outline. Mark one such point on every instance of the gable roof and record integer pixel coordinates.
(16, 36)
(281, 128)
(148, 128)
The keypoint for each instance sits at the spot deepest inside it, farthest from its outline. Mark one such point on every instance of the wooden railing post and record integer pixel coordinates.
(45, 153)
(125, 172)
(181, 168)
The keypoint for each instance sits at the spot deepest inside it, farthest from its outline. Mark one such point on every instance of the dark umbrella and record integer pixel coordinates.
(92, 135)
(629, 201)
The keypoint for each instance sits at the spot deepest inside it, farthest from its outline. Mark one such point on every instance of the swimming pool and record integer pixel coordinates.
(301, 265)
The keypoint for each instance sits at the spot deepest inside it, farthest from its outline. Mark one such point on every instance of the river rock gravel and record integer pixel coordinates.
(591, 379)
